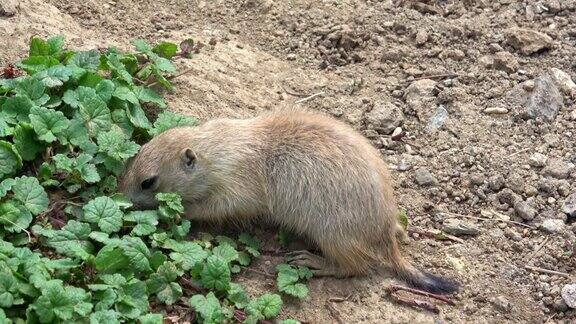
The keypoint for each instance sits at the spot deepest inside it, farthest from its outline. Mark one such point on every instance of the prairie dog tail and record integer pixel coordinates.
(417, 278)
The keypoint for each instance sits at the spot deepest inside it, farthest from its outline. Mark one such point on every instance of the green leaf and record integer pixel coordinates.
(137, 116)
(237, 296)
(141, 45)
(151, 319)
(31, 194)
(104, 212)
(146, 222)
(118, 68)
(287, 281)
(133, 300)
(111, 259)
(38, 47)
(208, 307)
(170, 294)
(187, 253)
(72, 240)
(81, 94)
(61, 303)
(55, 44)
(33, 89)
(48, 123)
(35, 64)
(8, 289)
(226, 252)
(54, 76)
(5, 186)
(116, 145)
(25, 141)
(166, 50)
(289, 321)
(86, 169)
(268, 305)
(94, 113)
(88, 60)
(137, 252)
(167, 120)
(124, 93)
(252, 245)
(215, 275)
(145, 94)
(16, 109)
(10, 160)
(105, 89)
(170, 205)
(104, 317)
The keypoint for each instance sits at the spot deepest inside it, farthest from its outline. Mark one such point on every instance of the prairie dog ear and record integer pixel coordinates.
(188, 158)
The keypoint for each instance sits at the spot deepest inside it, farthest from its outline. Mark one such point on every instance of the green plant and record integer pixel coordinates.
(71, 249)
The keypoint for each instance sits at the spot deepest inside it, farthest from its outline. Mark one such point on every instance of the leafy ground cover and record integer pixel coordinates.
(71, 248)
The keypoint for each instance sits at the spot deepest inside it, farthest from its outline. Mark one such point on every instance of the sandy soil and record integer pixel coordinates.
(504, 149)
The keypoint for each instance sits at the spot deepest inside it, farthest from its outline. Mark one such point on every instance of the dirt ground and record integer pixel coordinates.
(470, 103)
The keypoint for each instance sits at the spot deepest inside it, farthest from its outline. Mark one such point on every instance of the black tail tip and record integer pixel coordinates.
(435, 284)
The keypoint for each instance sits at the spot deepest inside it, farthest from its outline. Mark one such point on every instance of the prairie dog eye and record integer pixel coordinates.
(149, 183)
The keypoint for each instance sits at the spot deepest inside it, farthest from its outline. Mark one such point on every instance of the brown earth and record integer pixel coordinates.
(380, 65)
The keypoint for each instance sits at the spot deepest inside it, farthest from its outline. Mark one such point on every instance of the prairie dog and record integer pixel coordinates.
(305, 171)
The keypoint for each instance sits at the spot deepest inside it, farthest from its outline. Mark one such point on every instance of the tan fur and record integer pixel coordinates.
(305, 171)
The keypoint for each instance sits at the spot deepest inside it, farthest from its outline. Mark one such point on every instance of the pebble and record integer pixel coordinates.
(563, 81)
(553, 225)
(495, 111)
(512, 234)
(424, 177)
(524, 210)
(538, 160)
(538, 98)
(558, 168)
(528, 85)
(421, 37)
(8, 8)
(385, 117)
(568, 294)
(569, 206)
(502, 304)
(458, 227)
(506, 62)
(528, 41)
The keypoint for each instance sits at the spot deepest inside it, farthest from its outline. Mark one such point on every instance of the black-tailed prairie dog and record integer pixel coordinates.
(306, 172)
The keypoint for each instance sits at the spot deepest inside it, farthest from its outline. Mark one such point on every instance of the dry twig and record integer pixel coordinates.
(436, 234)
(435, 76)
(395, 288)
(552, 272)
(490, 219)
(538, 249)
(309, 97)
(334, 312)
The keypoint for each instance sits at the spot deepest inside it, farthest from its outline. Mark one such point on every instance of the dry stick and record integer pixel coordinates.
(434, 235)
(416, 303)
(309, 97)
(538, 249)
(552, 272)
(518, 152)
(436, 76)
(490, 219)
(394, 288)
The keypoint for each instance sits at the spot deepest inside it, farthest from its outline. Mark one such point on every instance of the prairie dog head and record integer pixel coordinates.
(168, 163)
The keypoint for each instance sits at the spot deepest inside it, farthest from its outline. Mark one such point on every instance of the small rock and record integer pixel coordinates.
(486, 61)
(291, 57)
(543, 101)
(568, 294)
(512, 234)
(496, 182)
(495, 111)
(506, 62)
(457, 227)
(528, 85)
(528, 41)
(397, 134)
(569, 206)
(563, 81)
(420, 96)
(502, 304)
(424, 177)
(538, 160)
(403, 165)
(524, 210)
(384, 117)
(558, 169)
(553, 225)
(421, 37)
(8, 8)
